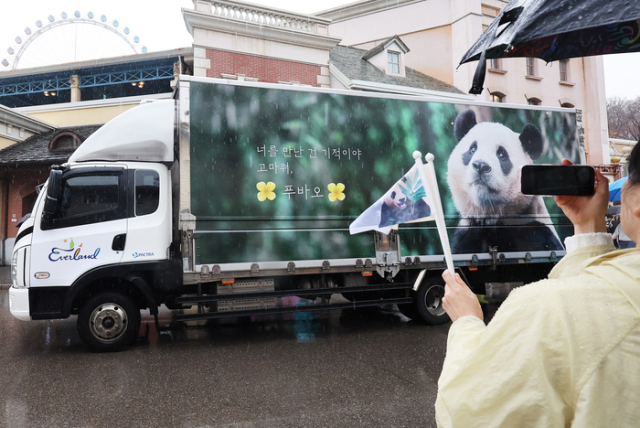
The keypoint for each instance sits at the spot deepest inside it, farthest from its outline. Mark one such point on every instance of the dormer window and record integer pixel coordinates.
(394, 62)
(65, 142)
(388, 57)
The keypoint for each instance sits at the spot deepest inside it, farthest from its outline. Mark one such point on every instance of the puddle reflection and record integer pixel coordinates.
(302, 326)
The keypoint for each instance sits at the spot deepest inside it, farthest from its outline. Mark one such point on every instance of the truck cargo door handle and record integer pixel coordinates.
(118, 242)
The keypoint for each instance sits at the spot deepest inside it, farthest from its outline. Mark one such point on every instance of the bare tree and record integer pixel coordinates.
(624, 118)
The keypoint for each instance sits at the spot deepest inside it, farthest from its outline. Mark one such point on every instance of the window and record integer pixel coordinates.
(534, 101)
(147, 192)
(394, 62)
(564, 70)
(89, 197)
(567, 105)
(531, 67)
(497, 97)
(65, 141)
(495, 64)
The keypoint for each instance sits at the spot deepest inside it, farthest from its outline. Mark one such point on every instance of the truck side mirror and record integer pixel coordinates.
(52, 197)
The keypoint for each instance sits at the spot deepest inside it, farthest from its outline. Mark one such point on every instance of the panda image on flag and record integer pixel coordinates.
(402, 203)
(413, 198)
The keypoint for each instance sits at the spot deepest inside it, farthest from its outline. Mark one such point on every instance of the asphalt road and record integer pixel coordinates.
(364, 368)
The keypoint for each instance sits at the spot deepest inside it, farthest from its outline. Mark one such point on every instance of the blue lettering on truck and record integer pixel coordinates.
(136, 255)
(56, 254)
(72, 253)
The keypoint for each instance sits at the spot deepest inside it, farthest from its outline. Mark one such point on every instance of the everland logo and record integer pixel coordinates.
(72, 253)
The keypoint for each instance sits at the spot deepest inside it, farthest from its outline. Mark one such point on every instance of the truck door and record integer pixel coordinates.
(87, 230)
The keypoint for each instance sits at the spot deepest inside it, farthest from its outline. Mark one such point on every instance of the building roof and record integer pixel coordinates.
(97, 79)
(382, 46)
(350, 62)
(35, 150)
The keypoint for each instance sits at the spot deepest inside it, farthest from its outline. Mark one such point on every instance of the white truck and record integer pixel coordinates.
(234, 195)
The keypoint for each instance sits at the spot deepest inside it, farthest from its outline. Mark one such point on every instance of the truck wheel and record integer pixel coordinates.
(429, 301)
(109, 322)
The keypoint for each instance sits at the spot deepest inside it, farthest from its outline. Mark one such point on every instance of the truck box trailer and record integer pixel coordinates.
(234, 195)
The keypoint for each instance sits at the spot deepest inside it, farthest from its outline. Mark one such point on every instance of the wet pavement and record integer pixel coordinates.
(345, 368)
(5, 277)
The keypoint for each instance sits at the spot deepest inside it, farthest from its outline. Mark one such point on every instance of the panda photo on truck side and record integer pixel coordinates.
(483, 177)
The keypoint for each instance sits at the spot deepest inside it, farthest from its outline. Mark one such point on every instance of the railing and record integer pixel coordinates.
(257, 15)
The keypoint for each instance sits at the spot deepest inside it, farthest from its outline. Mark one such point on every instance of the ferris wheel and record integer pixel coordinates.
(71, 39)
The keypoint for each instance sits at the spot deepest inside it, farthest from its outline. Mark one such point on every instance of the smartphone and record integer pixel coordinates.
(557, 180)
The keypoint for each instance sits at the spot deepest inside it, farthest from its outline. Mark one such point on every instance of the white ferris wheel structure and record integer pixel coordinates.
(70, 39)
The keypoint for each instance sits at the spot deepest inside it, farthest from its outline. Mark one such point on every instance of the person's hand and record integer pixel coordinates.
(587, 213)
(458, 299)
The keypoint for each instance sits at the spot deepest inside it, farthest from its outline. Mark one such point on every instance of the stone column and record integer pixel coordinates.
(595, 112)
(75, 88)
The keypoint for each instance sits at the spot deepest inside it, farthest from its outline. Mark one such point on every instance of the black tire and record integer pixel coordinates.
(429, 301)
(109, 322)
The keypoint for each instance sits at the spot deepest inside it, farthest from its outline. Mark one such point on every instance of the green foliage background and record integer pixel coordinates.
(229, 123)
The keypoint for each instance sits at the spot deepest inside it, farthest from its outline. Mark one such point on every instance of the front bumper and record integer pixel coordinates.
(19, 303)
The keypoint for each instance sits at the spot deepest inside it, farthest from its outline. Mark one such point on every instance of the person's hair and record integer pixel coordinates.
(634, 165)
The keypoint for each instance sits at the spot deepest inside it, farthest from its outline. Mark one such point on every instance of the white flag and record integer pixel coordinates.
(413, 198)
(406, 201)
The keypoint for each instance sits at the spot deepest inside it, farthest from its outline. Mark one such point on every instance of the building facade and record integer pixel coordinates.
(439, 32)
(49, 111)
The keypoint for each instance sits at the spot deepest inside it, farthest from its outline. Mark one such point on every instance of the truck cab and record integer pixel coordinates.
(100, 220)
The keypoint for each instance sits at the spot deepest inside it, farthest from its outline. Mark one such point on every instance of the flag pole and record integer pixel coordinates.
(430, 184)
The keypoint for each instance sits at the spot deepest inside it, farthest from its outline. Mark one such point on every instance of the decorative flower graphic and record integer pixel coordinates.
(336, 192)
(266, 191)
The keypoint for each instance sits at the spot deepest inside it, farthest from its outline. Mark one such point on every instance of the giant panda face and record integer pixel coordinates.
(483, 169)
(395, 198)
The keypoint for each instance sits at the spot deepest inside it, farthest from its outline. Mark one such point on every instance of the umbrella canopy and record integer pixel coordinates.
(557, 29)
(615, 189)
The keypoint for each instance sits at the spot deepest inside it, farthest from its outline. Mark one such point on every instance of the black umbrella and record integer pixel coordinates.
(557, 29)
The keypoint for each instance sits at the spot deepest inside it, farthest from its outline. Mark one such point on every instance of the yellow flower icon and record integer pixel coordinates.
(336, 192)
(266, 191)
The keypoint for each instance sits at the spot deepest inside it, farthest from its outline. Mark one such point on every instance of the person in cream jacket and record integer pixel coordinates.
(562, 352)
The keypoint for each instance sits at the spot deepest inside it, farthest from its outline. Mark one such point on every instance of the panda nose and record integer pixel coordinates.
(481, 167)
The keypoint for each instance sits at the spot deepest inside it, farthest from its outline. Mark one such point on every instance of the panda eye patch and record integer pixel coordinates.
(502, 154)
(466, 157)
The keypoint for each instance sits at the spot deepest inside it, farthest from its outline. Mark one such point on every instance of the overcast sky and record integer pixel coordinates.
(159, 25)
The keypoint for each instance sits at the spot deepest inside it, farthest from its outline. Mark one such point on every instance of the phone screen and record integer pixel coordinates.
(555, 180)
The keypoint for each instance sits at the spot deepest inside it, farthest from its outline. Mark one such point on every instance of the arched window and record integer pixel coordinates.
(498, 97)
(567, 105)
(65, 142)
(534, 101)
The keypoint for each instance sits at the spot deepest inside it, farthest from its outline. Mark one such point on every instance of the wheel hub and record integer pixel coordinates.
(433, 299)
(108, 322)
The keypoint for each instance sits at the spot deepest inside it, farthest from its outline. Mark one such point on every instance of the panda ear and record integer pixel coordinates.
(464, 122)
(531, 140)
